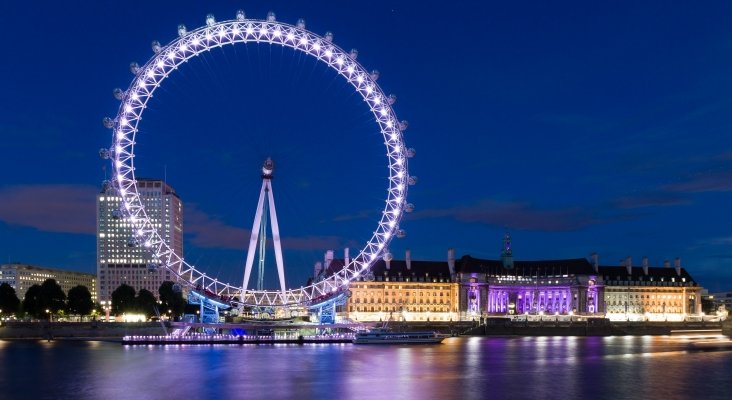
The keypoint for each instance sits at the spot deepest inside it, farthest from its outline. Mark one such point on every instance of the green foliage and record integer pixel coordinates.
(145, 302)
(123, 299)
(171, 299)
(46, 296)
(9, 302)
(52, 295)
(80, 301)
(33, 303)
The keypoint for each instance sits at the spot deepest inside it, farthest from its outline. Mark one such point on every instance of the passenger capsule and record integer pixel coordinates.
(412, 180)
(116, 214)
(271, 17)
(108, 122)
(132, 242)
(409, 207)
(134, 68)
(388, 256)
(403, 125)
(177, 288)
(118, 93)
(182, 30)
(156, 47)
(411, 152)
(104, 154)
(391, 99)
(401, 233)
(240, 15)
(151, 267)
(300, 23)
(354, 54)
(328, 36)
(375, 75)
(210, 20)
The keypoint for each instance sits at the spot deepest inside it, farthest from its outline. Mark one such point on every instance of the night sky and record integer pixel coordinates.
(578, 127)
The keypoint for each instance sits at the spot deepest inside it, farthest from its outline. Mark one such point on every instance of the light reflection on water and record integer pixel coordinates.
(466, 368)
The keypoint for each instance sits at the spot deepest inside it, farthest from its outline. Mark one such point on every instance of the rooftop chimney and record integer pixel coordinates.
(667, 264)
(317, 269)
(346, 257)
(629, 265)
(328, 258)
(596, 262)
(409, 259)
(645, 265)
(677, 265)
(451, 260)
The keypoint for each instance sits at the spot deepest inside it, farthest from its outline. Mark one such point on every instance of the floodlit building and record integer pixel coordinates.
(541, 287)
(650, 293)
(399, 290)
(120, 259)
(471, 288)
(22, 276)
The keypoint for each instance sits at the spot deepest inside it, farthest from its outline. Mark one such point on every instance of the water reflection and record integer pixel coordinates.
(466, 368)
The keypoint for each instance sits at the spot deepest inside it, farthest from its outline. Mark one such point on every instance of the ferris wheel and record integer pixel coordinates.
(189, 44)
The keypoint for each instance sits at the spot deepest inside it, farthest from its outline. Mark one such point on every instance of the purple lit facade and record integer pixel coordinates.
(561, 287)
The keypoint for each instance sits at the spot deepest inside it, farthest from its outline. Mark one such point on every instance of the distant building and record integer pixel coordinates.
(722, 299)
(23, 276)
(119, 258)
(650, 293)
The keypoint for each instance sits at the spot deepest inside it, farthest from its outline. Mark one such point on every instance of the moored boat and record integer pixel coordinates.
(387, 336)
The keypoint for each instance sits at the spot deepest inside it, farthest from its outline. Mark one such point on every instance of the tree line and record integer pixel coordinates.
(42, 301)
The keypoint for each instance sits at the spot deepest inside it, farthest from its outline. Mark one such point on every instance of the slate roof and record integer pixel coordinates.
(620, 273)
(419, 269)
(570, 266)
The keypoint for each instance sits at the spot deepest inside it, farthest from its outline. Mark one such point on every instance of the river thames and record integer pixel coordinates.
(645, 367)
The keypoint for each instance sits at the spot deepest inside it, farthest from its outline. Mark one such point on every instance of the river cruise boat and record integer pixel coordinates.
(387, 336)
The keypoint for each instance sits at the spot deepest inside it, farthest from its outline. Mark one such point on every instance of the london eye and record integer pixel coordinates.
(191, 43)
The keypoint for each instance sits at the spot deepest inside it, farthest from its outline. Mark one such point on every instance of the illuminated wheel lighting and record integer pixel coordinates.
(190, 44)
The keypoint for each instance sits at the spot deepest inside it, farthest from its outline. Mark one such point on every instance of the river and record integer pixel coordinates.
(648, 367)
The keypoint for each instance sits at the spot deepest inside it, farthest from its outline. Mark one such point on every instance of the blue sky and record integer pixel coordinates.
(576, 126)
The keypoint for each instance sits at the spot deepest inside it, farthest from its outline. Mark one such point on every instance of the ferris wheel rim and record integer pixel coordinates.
(190, 44)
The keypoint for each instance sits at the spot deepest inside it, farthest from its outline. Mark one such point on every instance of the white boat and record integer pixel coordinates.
(387, 336)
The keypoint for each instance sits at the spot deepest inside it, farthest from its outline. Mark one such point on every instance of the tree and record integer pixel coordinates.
(9, 302)
(80, 300)
(52, 296)
(145, 302)
(171, 299)
(33, 303)
(123, 299)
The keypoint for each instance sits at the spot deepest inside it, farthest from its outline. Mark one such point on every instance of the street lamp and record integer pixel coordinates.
(49, 315)
(107, 307)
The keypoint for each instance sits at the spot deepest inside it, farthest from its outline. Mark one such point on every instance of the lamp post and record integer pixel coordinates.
(50, 319)
(107, 307)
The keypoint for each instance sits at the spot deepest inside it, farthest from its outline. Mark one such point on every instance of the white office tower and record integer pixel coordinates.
(120, 259)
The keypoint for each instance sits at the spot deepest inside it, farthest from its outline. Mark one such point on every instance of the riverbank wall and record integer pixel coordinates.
(499, 327)
(586, 328)
(78, 330)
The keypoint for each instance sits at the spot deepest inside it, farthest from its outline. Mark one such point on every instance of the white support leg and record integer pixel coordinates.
(255, 236)
(276, 238)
